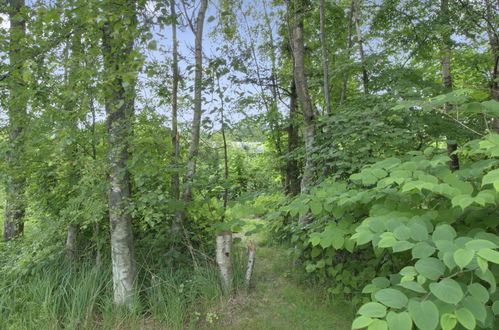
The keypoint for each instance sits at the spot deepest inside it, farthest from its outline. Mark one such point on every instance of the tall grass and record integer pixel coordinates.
(68, 295)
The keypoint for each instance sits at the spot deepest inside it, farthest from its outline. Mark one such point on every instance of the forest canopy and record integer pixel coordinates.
(153, 153)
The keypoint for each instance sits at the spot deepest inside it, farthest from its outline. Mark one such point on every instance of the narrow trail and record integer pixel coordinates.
(278, 301)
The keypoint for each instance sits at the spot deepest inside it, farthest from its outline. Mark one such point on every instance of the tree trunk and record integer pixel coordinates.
(224, 259)
(251, 263)
(447, 76)
(196, 121)
(325, 66)
(305, 101)
(14, 206)
(349, 50)
(117, 42)
(292, 169)
(365, 77)
(71, 249)
(176, 226)
(491, 14)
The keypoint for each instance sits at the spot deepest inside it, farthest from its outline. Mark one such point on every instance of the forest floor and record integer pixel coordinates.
(278, 299)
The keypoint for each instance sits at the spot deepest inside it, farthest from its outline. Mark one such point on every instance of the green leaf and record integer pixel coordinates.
(422, 250)
(419, 232)
(476, 307)
(391, 298)
(372, 309)
(361, 322)
(431, 268)
(378, 325)
(414, 286)
(316, 207)
(447, 291)
(152, 45)
(482, 263)
(478, 244)
(402, 246)
(479, 292)
(399, 321)
(462, 201)
(424, 314)
(443, 232)
(492, 178)
(463, 257)
(387, 242)
(495, 307)
(448, 321)
(466, 318)
(489, 255)
(491, 107)
(402, 233)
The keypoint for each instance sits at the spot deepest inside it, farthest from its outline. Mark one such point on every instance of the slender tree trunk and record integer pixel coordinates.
(15, 204)
(349, 50)
(325, 66)
(292, 169)
(493, 34)
(196, 121)
(119, 104)
(360, 41)
(446, 51)
(73, 64)
(176, 226)
(305, 101)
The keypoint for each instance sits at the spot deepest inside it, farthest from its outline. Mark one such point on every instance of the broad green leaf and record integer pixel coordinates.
(316, 207)
(378, 325)
(482, 264)
(402, 232)
(391, 298)
(399, 321)
(448, 321)
(462, 201)
(478, 244)
(418, 232)
(424, 314)
(492, 178)
(489, 255)
(447, 291)
(361, 322)
(402, 246)
(408, 271)
(372, 309)
(476, 308)
(495, 307)
(414, 286)
(463, 257)
(431, 268)
(443, 232)
(479, 292)
(466, 318)
(387, 242)
(422, 250)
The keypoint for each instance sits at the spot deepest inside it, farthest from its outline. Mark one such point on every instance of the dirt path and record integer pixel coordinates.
(279, 301)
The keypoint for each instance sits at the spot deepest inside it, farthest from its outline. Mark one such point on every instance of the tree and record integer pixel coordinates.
(197, 29)
(15, 204)
(325, 65)
(118, 38)
(304, 97)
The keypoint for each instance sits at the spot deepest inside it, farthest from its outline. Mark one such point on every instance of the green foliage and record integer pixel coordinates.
(435, 228)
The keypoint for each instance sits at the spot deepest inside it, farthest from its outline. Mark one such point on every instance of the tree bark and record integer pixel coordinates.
(446, 52)
(292, 169)
(305, 101)
(17, 103)
(325, 65)
(493, 34)
(224, 259)
(360, 41)
(117, 42)
(349, 50)
(251, 263)
(196, 121)
(176, 226)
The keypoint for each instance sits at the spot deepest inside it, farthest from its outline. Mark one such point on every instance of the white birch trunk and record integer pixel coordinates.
(224, 259)
(251, 264)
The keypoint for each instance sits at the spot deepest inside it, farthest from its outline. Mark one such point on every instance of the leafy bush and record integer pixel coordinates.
(432, 233)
